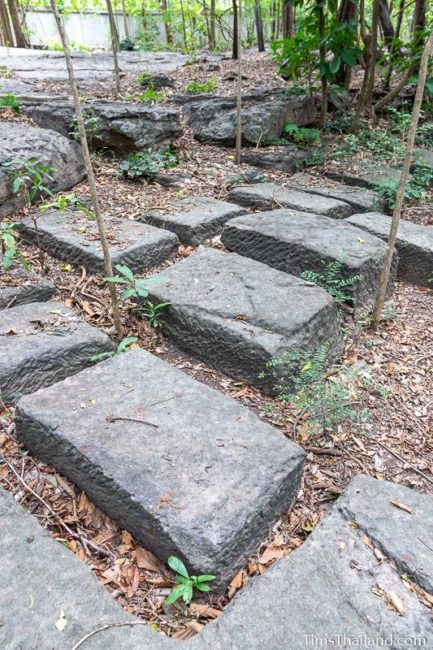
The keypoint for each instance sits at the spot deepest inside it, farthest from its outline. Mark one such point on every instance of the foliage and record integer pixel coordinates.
(195, 88)
(123, 346)
(127, 44)
(152, 313)
(326, 400)
(92, 127)
(301, 134)
(30, 177)
(146, 164)
(66, 202)
(187, 583)
(9, 100)
(331, 280)
(152, 95)
(8, 242)
(415, 189)
(5, 72)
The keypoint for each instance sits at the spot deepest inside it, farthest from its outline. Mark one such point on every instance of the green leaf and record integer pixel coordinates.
(116, 279)
(205, 578)
(334, 66)
(126, 271)
(349, 58)
(202, 587)
(8, 258)
(125, 343)
(175, 594)
(128, 293)
(177, 566)
(187, 594)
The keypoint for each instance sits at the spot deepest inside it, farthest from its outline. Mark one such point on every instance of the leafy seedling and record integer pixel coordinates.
(123, 346)
(187, 583)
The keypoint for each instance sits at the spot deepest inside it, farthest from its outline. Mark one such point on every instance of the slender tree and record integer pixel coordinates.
(20, 38)
(212, 25)
(6, 30)
(384, 278)
(125, 19)
(88, 163)
(235, 43)
(167, 22)
(114, 46)
(288, 18)
(238, 151)
(259, 26)
(320, 5)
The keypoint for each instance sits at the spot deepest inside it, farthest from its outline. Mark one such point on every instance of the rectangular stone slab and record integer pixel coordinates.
(195, 219)
(41, 343)
(414, 245)
(294, 242)
(204, 481)
(269, 196)
(39, 578)
(73, 237)
(237, 314)
(31, 288)
(361, 199)
(371, 178)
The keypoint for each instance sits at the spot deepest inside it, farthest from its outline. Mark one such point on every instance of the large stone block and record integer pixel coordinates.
(20, 141)
(39, 579)
(119, 126)
(237, 314)
(338, 588)
(269, 196)
(370, 177)
(195, 219)
(18, 287)
(264, 114)
(414, 245)
(188, 471)
(41, 343)
(73, 237)
(360, 199)
(294, 242)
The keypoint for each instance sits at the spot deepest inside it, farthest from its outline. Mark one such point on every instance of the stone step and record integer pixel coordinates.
(371, 178)
(188, 471)
(422, 158)
(195, 219)
(42, 343)
(237, 314)
(31, 288)
(295, 242)
(73, 237)
(414, 245)
(335, 590)
(39, 579)
(269, 196)
(360, 199)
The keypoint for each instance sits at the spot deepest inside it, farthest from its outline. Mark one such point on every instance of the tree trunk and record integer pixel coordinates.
(288, 19)
(88, 163)
(125, 19)
(5, 25)
(114, 46)
(235, 44)
(20, 39)
(212, 25)
(185, 43)
(322, 56)
(386, 23)
(394, 48)
(238, 151)
(273, 19)
(167, 22)
(346, 14)
(370, 50)
(259, 26)
(384, 278)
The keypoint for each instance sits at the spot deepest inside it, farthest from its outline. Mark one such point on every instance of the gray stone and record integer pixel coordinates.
(42, 343)
(267, 196)
(288, 160)
(334, 586)
(264, 114)
(371, 178)
(294, 242)
(31, 288)
(422, 158)
(414, 245)
(123, 127)
(73, 237)
(237, 314)
(204, 481)
(360, 199)
(156, 80)
(195, 219)
(39, 579)
(22, 141)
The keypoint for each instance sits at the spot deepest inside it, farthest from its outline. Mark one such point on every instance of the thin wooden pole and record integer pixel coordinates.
(384, 278)
(238, 151)
(91, 178)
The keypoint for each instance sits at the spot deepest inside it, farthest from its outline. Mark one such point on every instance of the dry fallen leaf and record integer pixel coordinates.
(145, 560)
(191, 629)
(395, 602)
(204, 610)
(236, 583)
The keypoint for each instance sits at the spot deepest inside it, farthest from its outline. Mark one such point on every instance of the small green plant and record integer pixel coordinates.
(305, 383)
(195, 88)
(300, 134)
(415, 189)
(331, 280)
(153, 313)
(8, 240)
(9, 100)
(187, 583)
(66, 202)
(29, 177)
(5, 72)
(152, 95)
(92, 126)
(145, 164)
(123, 346)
